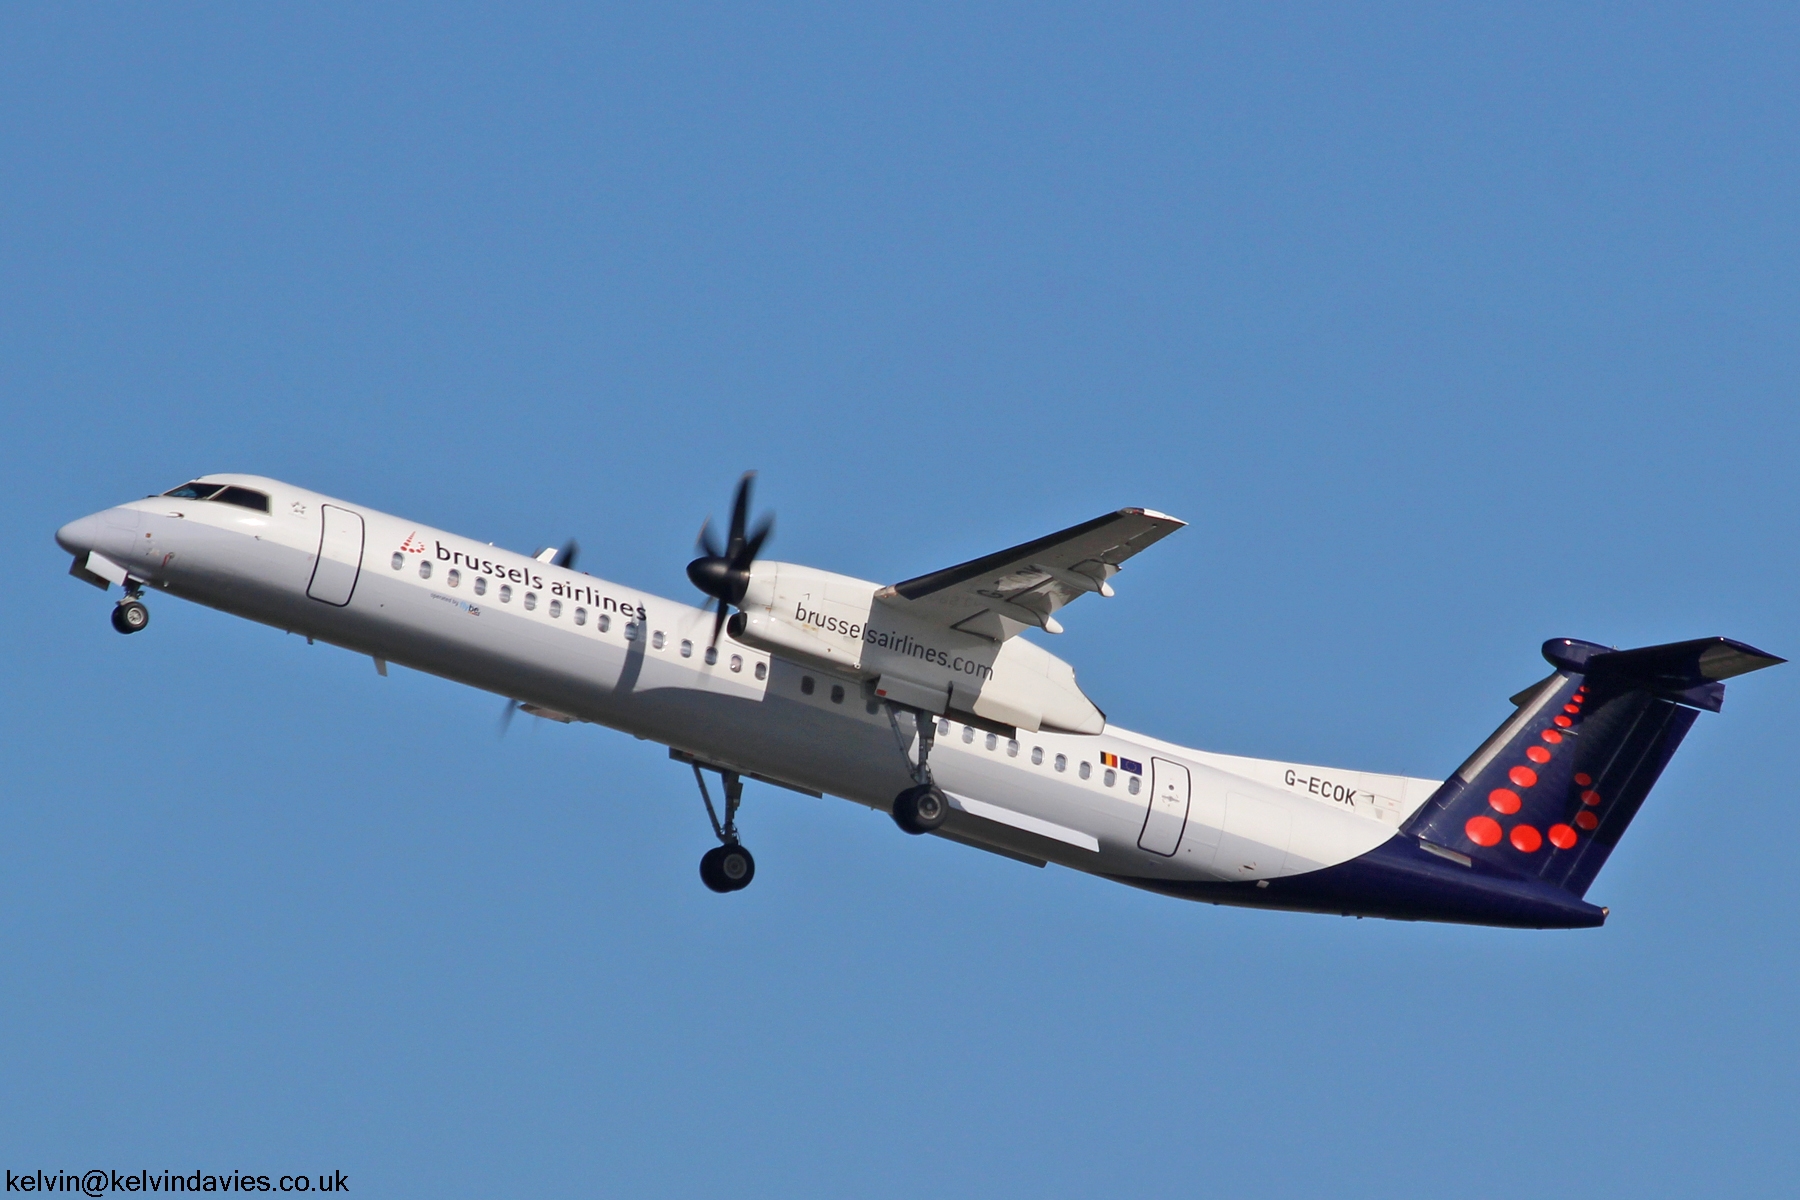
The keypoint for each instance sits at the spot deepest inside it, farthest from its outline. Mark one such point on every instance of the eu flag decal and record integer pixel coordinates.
(1124, 764)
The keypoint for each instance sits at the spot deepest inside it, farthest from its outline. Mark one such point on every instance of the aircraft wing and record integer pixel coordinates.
(1000, 594)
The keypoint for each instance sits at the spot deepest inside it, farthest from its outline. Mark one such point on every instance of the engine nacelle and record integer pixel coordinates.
(835, 622)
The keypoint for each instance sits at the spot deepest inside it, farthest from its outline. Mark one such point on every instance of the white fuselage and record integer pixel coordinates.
(570, 644)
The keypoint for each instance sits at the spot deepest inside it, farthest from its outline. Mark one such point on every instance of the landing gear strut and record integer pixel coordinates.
(727, 867)
(922, 807)
(129, 615)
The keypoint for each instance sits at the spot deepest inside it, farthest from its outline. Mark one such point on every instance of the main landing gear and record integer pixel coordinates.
(129, 615)
(727, 867)
(922, 807)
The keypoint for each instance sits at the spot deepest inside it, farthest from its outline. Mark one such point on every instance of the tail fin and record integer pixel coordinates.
(1551, 792)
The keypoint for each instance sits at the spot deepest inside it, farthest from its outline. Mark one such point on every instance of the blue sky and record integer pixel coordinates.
(1448, 331)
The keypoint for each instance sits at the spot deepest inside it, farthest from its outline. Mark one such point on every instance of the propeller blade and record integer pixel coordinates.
(506, 716)
(566, 556)
(740, 515)
(754, 545)
(705, 543)
(718, 625)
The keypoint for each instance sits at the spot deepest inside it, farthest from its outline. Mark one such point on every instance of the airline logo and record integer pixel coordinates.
(412, 544)
(1124, 764)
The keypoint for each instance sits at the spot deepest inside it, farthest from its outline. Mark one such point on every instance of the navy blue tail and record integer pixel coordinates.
(1548, 796)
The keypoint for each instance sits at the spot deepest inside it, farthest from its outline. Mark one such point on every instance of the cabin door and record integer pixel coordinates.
(340, 555)
(1170, 790)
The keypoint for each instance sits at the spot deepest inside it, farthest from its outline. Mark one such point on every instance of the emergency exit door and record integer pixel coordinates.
(1170, 791)
(340, 555)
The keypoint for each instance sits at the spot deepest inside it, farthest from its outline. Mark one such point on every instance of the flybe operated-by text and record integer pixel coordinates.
(920, 699)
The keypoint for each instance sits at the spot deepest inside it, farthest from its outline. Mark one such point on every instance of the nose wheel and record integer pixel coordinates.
(129, 615)
(727, 867)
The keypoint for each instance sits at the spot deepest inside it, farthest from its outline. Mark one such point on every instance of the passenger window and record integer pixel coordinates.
(687, 648)
(556, 608)
(762, 668)
(399, 560)
(968, 734)
(580, 615)
(656, 640)
(712, 655)
(194, 491)
(424, 568)
(1087, 769)
(872, 707)
(1110, 776)
(806, 684)
(453, 577)
(837, 693)
(481, 585)
(631, 631)
(992, 741)
(244, 498)
(530, 601)
(1132, 787)
(1062, 762)
(506, 593)
(603, 622)
(1037, 756)
(1012, 748)
(737, 663)
(943, 729)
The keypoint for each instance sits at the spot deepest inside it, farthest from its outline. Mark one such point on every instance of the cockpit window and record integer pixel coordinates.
(242, 497)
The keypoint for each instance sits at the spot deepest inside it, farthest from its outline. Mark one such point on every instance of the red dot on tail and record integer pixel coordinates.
(1562, 837)
(1587, 820)
(1571, 708)
(1564, 722)
(1551, 736)
(1483, 831)
(1504, 800)
(1537, 754)
(1583, 779)
(1590, 798)
(1527, 838)
(1522, 776)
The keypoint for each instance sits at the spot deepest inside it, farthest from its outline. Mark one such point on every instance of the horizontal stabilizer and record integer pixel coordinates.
(1690, 673)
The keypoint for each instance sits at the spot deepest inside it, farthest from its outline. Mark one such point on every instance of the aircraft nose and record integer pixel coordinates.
(80, 536)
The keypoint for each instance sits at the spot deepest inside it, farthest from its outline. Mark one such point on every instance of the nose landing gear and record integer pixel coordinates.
(129, 615)
(727, 867)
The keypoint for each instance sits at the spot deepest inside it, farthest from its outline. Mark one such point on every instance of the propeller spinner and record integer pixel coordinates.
(724, 574)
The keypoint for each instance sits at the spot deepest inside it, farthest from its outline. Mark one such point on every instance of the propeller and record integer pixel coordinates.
(724, 573)
(506, 716)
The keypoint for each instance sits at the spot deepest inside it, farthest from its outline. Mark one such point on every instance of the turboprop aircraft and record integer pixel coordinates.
(921, 699)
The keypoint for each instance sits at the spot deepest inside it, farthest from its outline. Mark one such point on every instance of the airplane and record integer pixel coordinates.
(921, 699)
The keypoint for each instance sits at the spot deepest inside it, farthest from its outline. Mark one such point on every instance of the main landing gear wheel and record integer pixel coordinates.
(727, 868)
(921, 808)
(129, 616)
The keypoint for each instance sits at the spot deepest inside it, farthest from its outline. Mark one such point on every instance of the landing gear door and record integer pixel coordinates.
(340, 556)
(1170, 790)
